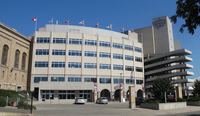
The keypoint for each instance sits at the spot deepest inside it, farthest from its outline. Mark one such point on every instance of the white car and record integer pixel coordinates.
(102, 100)
(79, 100)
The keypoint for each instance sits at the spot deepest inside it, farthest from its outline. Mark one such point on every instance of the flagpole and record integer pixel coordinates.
(36, 25)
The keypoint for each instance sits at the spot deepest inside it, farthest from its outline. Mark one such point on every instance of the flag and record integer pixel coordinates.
(109, 27)
(34, 19)
(82, 22)
(97, 25)
(66, 22)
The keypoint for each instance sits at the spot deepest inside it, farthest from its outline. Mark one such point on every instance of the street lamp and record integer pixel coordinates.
(122, 88)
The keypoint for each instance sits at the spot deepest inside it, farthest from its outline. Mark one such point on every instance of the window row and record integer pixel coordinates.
(17, 55)
(87, 65)
(88, 42)
(87, 79)
(87, 53)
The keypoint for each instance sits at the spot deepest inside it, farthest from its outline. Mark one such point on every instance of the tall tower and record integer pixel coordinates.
(163, 35)
(158, 38)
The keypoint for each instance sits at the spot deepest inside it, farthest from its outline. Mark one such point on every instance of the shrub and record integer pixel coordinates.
(180, 100)
(151, 101)
(194, 98)
(2, 101)
(24, 105)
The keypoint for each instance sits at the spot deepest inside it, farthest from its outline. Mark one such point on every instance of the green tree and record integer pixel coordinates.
(196, 88)
(160, 86)
(189, 11)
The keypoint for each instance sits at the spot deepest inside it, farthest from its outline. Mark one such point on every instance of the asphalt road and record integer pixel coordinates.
(112, 109)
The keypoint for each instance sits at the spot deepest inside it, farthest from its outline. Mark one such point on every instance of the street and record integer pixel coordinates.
(112, 109)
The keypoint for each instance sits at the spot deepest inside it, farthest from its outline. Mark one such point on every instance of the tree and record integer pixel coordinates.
(189, 11)
(196, 87)
(160, 87)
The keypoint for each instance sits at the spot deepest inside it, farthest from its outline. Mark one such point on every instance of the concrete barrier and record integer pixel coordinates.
(164, 106)
(193, 103)
(14, 114)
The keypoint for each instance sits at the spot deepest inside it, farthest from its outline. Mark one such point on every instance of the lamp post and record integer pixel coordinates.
(122, 88)
(31, 109)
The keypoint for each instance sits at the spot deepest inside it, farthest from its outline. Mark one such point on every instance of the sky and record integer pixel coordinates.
(128, 14)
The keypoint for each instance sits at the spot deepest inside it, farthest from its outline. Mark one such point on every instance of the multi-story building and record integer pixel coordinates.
(164, 58)
(14, 58)
(77, 61)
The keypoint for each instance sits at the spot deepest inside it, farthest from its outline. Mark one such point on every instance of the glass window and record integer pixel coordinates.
(105, 80)
(59, 40)
(38, 79)
(90, 65)
(118, 81)
(62, 94)
(139, 69)
(4, 57)
(17, 53)
(70, 94)
(91, 42)
(91, 53)
(129, 81)
(138, 59)
(58, 79)
(118, 56)
(117, 67)
(43, 40)
(58, 64)
(128, 47)
(127, 57)
(129, 68)
(105, 44)
(58, 52)
(137, 49)
(90, 79)
(24, 61)
(104, 55)
(41, 64)
(139, 82)
(42, 52)
(74, 65)
(75, 41)
(117, 45)
(74, 79)
(74, 53)
(105, 66)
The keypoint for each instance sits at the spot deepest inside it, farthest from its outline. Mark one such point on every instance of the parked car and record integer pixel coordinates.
(79, 100)
(102, 100)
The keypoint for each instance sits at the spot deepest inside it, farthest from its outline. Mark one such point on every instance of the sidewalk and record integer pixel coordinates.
(169, 112)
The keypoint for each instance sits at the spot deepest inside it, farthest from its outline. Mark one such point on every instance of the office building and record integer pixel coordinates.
(78, 61)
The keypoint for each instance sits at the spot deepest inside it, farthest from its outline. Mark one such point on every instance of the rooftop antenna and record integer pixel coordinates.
(109, 27)
(51, 21)
(82, 22)
(56, 22)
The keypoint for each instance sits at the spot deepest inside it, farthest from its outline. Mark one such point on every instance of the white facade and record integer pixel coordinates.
(76, 61)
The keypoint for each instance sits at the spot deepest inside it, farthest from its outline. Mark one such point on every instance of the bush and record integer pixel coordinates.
(180, 100)
(2, 101)
(24, 105)
(151, 101)
(194, 98)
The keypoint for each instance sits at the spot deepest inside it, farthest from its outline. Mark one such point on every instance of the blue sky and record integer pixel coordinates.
(129, 14)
